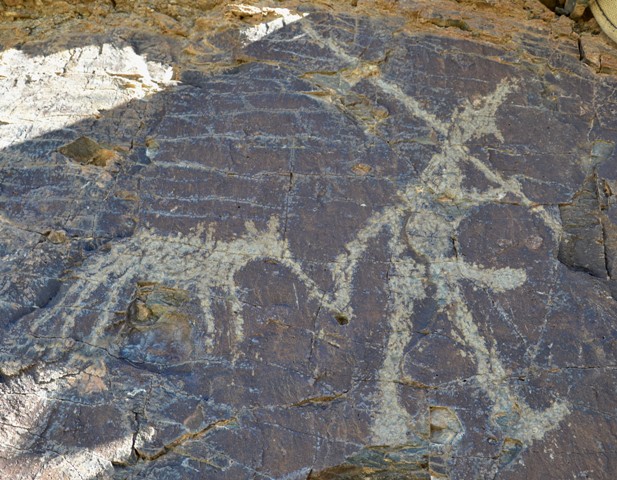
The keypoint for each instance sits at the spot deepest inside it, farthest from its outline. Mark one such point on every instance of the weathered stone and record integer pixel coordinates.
(583, 244)
(379, 463)
(365, 239)
(57, 236)
(86, 151)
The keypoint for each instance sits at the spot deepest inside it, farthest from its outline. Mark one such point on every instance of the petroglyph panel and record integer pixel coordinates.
(356, 250)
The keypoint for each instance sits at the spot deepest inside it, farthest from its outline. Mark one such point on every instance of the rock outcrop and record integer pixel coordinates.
(307, 240)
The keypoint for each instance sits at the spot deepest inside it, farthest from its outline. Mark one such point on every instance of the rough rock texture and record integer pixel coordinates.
(307, 240)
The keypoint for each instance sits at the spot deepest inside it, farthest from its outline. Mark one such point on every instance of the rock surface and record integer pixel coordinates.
(306, 240)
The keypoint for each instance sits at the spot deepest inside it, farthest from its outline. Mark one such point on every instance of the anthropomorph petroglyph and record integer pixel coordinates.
(425, 221)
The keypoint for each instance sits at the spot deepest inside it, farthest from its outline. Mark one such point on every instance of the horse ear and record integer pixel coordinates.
(605, 13)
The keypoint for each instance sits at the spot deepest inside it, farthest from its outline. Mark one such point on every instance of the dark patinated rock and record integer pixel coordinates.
(366, 240)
